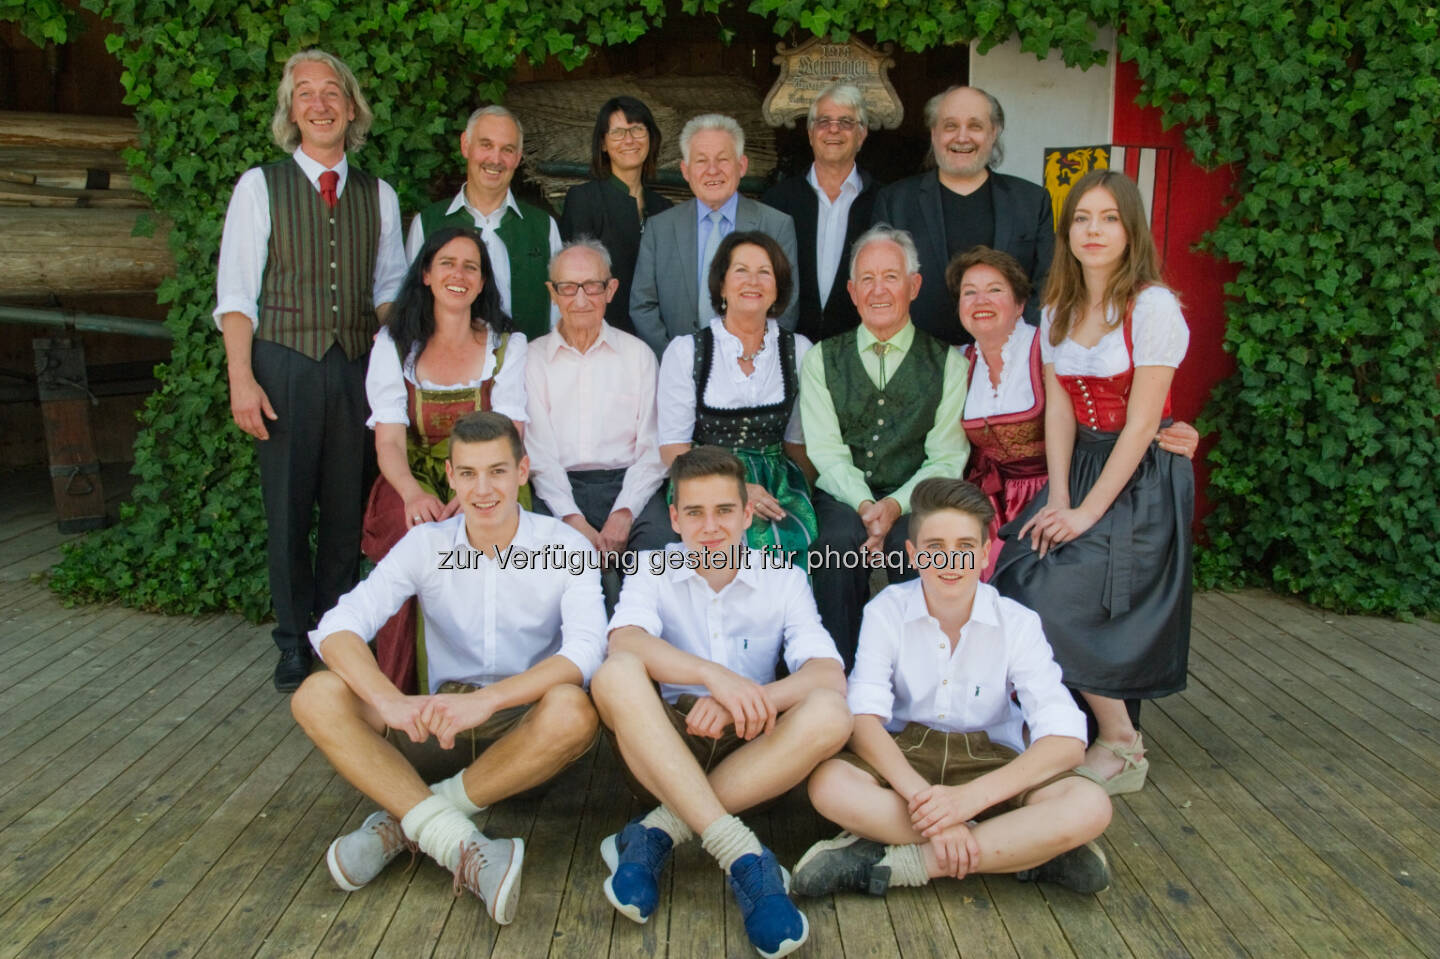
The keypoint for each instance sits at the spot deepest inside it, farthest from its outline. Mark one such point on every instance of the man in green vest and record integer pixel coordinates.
(520, 238)
(310, 260)
(881, 408)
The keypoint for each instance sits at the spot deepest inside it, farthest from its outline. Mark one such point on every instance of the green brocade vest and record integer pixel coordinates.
(885, 429)
(319, 280)
(527, 241)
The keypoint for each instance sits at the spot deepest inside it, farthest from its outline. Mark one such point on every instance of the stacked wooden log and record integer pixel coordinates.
(68, 208)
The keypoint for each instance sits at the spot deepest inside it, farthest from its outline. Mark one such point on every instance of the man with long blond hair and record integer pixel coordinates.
(309, 261)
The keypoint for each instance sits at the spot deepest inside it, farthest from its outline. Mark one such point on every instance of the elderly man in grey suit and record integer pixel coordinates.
(669, 296)
(962, 203)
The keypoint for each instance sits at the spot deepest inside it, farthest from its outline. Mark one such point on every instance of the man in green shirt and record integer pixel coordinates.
(881, 408)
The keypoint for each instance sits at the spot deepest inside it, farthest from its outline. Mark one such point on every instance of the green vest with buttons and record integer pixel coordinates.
(527, 242)
(885, 429)
(319, 280)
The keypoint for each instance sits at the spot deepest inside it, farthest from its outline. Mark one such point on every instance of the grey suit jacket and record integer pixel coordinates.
(665, 290)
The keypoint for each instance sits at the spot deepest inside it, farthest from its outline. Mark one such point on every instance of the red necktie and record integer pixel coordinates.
(328, 181)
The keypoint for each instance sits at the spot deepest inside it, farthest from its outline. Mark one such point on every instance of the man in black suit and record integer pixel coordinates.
(831, 205)
(962, 202)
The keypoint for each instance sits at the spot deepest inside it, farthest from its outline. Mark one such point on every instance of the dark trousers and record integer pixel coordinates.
(840, 581)
(314, 457)
(595, 492)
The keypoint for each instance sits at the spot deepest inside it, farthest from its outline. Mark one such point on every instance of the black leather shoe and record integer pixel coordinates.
(292, 669)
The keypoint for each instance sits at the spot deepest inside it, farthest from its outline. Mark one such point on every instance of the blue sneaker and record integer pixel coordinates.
(774, 925)
(636, 856)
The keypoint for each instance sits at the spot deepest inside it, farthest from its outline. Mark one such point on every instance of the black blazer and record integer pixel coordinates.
(1024, 228)
(604, 210)
(796, 197)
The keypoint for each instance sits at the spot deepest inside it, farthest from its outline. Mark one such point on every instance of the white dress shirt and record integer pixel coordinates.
(831, 220)
(592, 411)
(485, 620)
(728, 387)
(244, 244)
(385, 379)
(1157, 328)
(1015, 392)
(487, 224)
(743, 627)
(905, 671)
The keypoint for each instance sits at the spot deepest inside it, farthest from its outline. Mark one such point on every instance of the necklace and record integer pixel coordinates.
(750, 357)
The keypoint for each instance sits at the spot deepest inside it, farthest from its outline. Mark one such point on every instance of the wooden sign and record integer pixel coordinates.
(815, 64)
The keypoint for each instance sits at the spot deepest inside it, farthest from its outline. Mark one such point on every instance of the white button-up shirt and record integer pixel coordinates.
(831, 219)
(487, 224)
(486, 618)
(385, 379)
(743, 627)
(905, 671)
(592, 411)
(244, 244)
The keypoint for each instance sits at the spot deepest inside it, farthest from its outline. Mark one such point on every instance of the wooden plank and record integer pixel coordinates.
(585, 923)
(975, 924)
(697, 924)
(551, 843)
(67, 131)
(1245, 851)
(254, 917)
(306, 921)
(1411, 918)
(140, 916)
(1356, 705)
(1384, 792)
(82, 891)
(1408, 643)
(1029, 924)
(1188, 912)
(1133, 913)
(196, 915)
(919, 923)
(1087, 926)
(115, 731)
(45, 647)
(794, 827)
(865, 927)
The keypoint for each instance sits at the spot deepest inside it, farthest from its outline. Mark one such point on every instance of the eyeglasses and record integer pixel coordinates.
(591, 287)
(637, 132)
(844, 124)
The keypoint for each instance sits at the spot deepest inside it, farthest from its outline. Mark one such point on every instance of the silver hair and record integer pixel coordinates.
(885, 233)
(286, 132)
(712, 121)
(842, 95)
(581, 243)
(496, 110)
(997, 118)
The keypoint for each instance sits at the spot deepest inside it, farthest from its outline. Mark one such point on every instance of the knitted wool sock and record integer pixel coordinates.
(453, 789)
(727, 839)
(907, 865)
(663, 819)
(438, 828)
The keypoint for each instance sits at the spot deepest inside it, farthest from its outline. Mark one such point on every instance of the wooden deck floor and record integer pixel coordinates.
(156, 799)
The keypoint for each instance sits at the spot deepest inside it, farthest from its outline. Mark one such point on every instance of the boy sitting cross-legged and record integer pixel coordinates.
(707, 619)
(938, 741)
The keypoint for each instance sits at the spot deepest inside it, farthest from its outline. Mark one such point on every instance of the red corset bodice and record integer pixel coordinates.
(1100, 401)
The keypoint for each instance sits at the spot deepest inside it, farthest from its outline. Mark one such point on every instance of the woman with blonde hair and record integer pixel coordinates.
(1103, 553)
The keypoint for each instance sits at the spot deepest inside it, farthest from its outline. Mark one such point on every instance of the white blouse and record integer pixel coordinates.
(385, 379)
(1159, 331)
(728, 387)
(1015, 393)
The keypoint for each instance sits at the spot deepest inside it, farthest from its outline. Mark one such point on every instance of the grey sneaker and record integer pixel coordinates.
(1082, 869)
(490, 868)
(845, 862)
(358, 857)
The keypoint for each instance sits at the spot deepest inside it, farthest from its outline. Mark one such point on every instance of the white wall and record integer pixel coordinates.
(1047, 104)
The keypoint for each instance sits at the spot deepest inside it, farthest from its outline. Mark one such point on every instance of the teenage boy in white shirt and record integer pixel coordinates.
(938, 741)
(510, 640)
(707, 619)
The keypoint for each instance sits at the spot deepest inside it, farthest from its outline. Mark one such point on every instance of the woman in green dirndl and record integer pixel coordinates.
(734, 384)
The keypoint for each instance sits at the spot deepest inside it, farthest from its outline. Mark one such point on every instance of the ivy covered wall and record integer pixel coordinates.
(1324, 472)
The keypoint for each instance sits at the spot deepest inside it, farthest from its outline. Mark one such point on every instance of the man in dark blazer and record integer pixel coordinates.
(962, 202)
(669, 275)
(831, 205)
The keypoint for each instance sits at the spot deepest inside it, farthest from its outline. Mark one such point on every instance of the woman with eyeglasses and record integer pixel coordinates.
(449, 349)
(613, 207)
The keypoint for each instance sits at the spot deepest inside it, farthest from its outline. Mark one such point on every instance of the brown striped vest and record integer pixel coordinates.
(319, 280)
